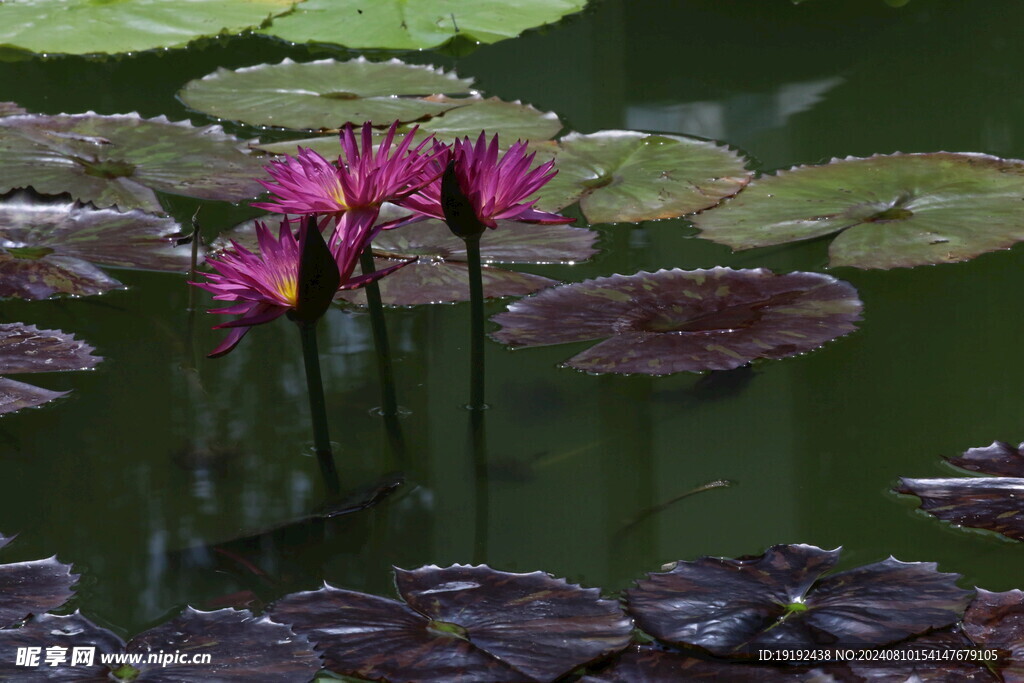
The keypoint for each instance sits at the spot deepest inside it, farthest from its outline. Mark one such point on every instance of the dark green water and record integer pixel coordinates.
(109, 480)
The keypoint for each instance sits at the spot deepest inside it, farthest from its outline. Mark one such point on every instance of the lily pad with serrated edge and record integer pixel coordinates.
(465, 622)
(511, 121)
(888, 211)
(49, 247)
(416, 24)
(684, 321)
(25, 348)
(90, 27)
(326, 94)
(441, 275)
(32, 587)
(628, 176)
(734, 607)
(51, 630)
(995, 503)
(118, 160)
(936, 657)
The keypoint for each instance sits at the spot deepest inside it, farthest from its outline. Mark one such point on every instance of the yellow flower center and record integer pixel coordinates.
(288, 290)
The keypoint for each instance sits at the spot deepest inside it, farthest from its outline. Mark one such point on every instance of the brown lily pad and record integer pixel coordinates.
(995, 503)
(677, 320)
(32, 587)
(119, 160)
(50, 247)
(10, 109)
(780, 599)
(25, 348)
(465, 623)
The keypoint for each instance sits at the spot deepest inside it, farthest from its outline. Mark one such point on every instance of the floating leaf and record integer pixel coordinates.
(936, 657)
(441, 274)
(734, 607)
(510, 120)
(996, 620)
(326, 94)
(51, 630)
(995, 503)
(645, 664)
(10, 109)
(416, 24)
(24, 348)
(892, 211)
(32, 587)
(677, 320)
(49, 247)
(119, 160)
(89, 27)
(626, 175)
(461, 622)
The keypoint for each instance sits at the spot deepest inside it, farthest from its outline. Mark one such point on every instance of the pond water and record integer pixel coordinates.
(160, 452)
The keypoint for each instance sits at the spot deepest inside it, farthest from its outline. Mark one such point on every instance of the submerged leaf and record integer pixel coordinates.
(677, 320)
(326, 94)
(48, 247)
(460, 622)
(89, 26)
(441, 275)
(416, 24)
(119, 160)
(25, 348)
(32, 587)
(889, 211)
(626, 175)
(779, 599)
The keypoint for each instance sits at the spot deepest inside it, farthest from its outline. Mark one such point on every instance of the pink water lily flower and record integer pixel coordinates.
(266, 285)
(497, 187)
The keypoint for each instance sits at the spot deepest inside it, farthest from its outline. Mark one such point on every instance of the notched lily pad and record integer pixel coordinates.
(49, 247)
(625, 175)
(119, 160)
(995, 503)
(416, 24)
(460, 622)
(90, 27)
(69, 632)
(326, 94)
(684, 321)
(888, 211)
(996, 620)
(32, 587)
(10, 109)
(440, 275)
(779, 599)
(25, 348)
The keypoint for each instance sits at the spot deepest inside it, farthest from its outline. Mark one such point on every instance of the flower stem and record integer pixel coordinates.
(476, 325)
(317, 407)
(388, 397)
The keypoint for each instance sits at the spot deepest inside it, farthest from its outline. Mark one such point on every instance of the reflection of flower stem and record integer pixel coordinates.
(317, 407)
(196, 238)
(478, 449)
(476, 330)
(389, 401)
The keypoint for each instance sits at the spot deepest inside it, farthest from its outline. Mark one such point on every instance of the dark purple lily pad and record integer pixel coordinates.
(82, 641)
(888, 211)
(25, 348)
(677, 320)
(935, 657)
(472, 624)
(32, 587)
(779, 599)
(996, 620)
(994, 503)
(440, 275)
(49, 247)
(119, 160)
(645, 664)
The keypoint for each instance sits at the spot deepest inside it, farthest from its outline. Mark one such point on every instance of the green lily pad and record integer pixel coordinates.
(92, 27)
(780, 600)
(629, 176)
(119, 160)
(893, 211)
(49, 247)
(995, 503)
(441, 275)
(416, 24)
(510, 120)
(465, 623)
(326, 94)
(32, 587)
(25, 348)
(684, 321)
